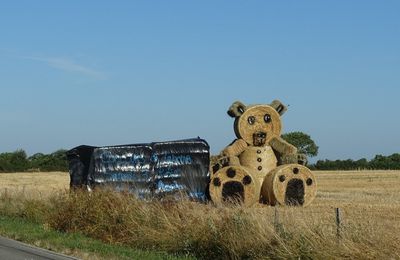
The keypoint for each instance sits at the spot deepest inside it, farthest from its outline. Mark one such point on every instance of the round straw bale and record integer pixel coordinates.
(234, 184)
(258, 118)
(290, 184)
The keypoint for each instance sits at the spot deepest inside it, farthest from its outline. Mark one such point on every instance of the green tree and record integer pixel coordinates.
(56, 161)
(5, 164)
(19, 160)
(14, 162)
(303, 142)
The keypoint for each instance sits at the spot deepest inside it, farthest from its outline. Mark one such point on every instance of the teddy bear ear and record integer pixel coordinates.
(236, 109)
(279, 107)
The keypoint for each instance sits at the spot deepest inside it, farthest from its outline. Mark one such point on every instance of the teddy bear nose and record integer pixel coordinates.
(261, 134)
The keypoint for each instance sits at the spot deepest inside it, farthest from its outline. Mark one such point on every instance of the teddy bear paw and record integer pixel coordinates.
(234, 184)
(290, 184)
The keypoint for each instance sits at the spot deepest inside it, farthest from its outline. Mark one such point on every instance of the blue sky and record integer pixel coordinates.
(114, 72)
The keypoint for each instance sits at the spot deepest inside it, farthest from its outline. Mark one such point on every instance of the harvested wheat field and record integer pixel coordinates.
(369, 202)
(34, 183)
(335, 188)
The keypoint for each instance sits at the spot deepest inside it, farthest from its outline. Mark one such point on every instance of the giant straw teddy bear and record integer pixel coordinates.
(259, 166)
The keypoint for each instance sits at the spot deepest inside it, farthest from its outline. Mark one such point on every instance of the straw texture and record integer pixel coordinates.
(234, 184)
(236, 148)
(291, 184)
(259, 161)
(281, 146)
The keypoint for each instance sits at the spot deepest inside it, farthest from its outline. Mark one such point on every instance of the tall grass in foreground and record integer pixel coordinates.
(207, 231)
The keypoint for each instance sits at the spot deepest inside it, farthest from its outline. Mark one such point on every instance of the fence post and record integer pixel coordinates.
(276, 219)
(338, 214)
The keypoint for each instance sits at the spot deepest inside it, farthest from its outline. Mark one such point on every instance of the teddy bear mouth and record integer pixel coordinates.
(259, 138)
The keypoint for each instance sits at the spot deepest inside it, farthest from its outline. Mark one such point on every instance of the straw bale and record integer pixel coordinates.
(279, 107)
(236, 109)
(293, 158)
(290, 184)
(234, 160)
(236, 148)
(259, 160)
(234, 184)
(281, 146)
(256, 113)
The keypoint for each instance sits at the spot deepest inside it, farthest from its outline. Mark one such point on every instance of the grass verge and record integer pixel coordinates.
(71, 243)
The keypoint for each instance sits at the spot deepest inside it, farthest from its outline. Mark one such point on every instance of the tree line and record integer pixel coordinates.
(18, 161)
(379, 162)
(307, 146)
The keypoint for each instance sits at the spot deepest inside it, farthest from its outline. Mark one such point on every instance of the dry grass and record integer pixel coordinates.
(370, 202)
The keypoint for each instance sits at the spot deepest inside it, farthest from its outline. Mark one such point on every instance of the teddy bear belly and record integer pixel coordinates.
(259, 160)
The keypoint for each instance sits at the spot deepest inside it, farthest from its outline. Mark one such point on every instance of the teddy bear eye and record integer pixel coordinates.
(267, 118)
(251, 120)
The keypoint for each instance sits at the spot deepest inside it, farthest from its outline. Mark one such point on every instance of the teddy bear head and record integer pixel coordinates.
(257, 124)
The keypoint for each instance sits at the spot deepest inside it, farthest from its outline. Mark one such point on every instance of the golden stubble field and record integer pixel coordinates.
(335, 188)
(365, 197)
(34, 183)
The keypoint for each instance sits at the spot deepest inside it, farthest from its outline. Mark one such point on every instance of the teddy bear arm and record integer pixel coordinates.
(287, 153)
(282, 147)
(293, 158)
(233, 150)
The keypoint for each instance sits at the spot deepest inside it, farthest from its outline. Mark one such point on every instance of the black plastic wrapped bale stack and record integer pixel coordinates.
(147, 170)
(125, 167)
(181, 166)
(78, 164)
